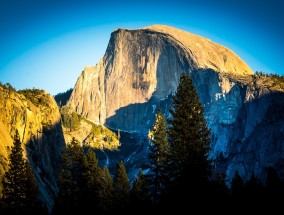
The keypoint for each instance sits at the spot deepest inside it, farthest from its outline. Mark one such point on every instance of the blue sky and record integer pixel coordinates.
(47, 43)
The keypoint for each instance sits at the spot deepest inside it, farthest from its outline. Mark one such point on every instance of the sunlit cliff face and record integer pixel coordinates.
(145, 63)
(36, 116)
(140, 72)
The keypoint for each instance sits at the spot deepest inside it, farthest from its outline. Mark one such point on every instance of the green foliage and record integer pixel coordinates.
(8, 87)
(71, 181)
(20, 187)
(99, 130)
(14, 175)
(83, 185)
(121, 187)
(101, 137)
(91, 175)
(272, 81)
(272, 75)
(188, 138)
(139, 193)
(62, 98)
(36, 96)
(159, 153)
(70, 119)
(92, 170)
(105, 191)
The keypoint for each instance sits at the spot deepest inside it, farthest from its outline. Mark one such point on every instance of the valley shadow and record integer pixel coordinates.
(256, 138)
(44, 150)
(133, 152)
(137, 117)
(134, 122)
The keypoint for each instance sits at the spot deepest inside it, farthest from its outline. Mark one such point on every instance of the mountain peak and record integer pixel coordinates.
(204, 52)
(144, 64)
(140, 72)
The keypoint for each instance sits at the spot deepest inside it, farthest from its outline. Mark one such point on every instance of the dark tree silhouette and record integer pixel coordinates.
(71, 182)
(121, 187)
(159, 154)
(20, 193)
(139, 194)
(189, 140)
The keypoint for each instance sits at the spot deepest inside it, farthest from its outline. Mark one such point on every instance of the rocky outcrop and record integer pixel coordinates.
(140, 71)
(35, 115)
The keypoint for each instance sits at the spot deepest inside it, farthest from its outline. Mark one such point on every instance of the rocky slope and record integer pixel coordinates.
(140, 71)
(93, 135)
(35, 115)
(87, 132)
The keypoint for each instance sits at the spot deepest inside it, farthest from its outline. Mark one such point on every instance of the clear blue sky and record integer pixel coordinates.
(47, 43)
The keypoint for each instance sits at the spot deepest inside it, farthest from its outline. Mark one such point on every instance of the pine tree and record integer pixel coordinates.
(20, 187)
(13, 194)
(92, 169)
(71, 182)
(237, 186)
(188, 138)
(121, 187)
(274, 187)
(105, 190)
(139, 193)
(253, 190)
(67, 187)
(159, 153)
(219, 188)
(91, 176)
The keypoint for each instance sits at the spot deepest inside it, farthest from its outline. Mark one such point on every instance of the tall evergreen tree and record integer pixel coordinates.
(105, 191)
(71, 182)
(237, 186)
(20, 187)
(91, 176)
(253, 191)
(92, 169)
(253, 187)
(159, 153)
(273, 187)
(188, 137)
(121, 187)
(139, 193)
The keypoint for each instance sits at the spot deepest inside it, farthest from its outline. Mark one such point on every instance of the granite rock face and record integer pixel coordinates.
(145, 63)
(140, 71)
(39, 125)
(244, 114)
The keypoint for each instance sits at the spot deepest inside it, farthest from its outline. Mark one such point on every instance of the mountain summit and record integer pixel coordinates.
(140, 72)
(205, 53)
(144, 63)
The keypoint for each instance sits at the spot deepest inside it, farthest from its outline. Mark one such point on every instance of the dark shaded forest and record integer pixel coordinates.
(62, 98)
